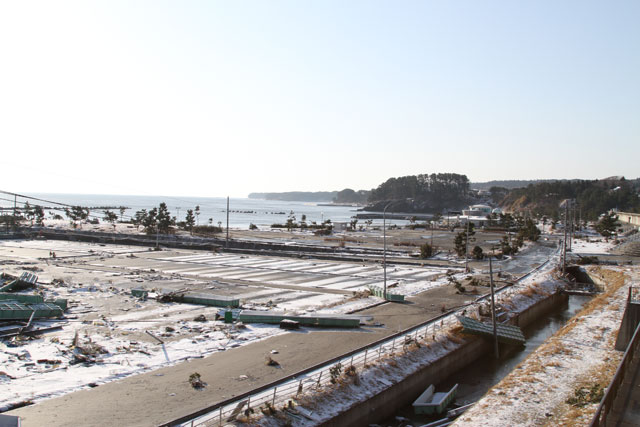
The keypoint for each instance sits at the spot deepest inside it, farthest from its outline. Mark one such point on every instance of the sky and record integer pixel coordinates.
(216, 98)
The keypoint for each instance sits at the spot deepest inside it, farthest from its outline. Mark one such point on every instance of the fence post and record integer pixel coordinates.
(352, 360)
(299, 388)
(320, 377)
(380, 352)
(220, 414)
(273, 402)
(365, 358)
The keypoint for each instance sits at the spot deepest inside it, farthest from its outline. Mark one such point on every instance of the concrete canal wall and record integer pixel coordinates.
(403, 393)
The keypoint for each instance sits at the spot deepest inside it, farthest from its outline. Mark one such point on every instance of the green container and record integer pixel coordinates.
(228, 317)
(60, 302)
(28, 298)
(10, 310)
(139, 292)
(44, 310)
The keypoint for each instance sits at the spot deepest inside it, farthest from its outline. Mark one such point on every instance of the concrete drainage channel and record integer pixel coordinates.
(477, 378)
(384, 403)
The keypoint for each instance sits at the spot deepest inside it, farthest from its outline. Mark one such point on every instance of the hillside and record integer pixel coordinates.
(593, 197)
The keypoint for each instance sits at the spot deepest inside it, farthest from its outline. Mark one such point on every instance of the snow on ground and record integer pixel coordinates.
(104, 314)
(595, 246)
(321, 404)
(587, 341)
(406, 280)
(44, 367)
(581, 354)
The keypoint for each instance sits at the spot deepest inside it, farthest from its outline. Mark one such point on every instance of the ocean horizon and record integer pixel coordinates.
(242, 211)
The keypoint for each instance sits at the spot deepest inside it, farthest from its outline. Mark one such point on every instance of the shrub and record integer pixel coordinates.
(426, 251)
(477, 253)
(206, 229)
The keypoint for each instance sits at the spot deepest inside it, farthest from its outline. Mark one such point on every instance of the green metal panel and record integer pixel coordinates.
(506, 333)
(213, 300)
(28, 278)
(60, 302)
(379, 292)
(9, 286)
(10, 310)
(28, 298)
(13, 310)
(46, 310)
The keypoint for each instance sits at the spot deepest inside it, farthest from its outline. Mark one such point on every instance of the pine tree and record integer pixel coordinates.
(164, 218)
(608, 224)
(189, 220)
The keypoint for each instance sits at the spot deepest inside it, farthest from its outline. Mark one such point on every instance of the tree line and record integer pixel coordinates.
(592, 197)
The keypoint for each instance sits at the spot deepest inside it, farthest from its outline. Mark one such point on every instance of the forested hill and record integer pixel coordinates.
(428, 193)
(509, 183)
(297, 196)
(593, 197)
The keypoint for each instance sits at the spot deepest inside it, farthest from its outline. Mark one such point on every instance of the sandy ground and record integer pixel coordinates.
(96, 279)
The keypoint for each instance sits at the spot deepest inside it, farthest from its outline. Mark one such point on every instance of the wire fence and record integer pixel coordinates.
(279, 394)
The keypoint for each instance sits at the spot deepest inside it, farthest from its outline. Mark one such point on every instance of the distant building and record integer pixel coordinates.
(629, 218)
(340, 226)
(477, 210)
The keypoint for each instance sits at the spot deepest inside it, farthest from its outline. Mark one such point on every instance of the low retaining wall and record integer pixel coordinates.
(386, 403)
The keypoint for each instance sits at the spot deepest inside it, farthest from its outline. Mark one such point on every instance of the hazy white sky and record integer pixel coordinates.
(207, 98)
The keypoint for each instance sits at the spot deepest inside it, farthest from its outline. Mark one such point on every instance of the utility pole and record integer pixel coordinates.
(564, 245)
(493, 311)
(227, 242)
(384, 245)
(466, 249)
(432, 225)
(580, 218)
(573, 225)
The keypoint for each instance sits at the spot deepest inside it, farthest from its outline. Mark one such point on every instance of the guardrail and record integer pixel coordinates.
(600, 417)
(314, 378)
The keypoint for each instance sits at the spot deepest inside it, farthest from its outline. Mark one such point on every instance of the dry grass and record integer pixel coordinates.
(568, 414)
(534, 289)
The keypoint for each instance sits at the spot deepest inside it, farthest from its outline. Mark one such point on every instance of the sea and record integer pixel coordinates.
(213, 210)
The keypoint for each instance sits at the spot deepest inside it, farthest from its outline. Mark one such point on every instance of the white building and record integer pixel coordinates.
(477, 210)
